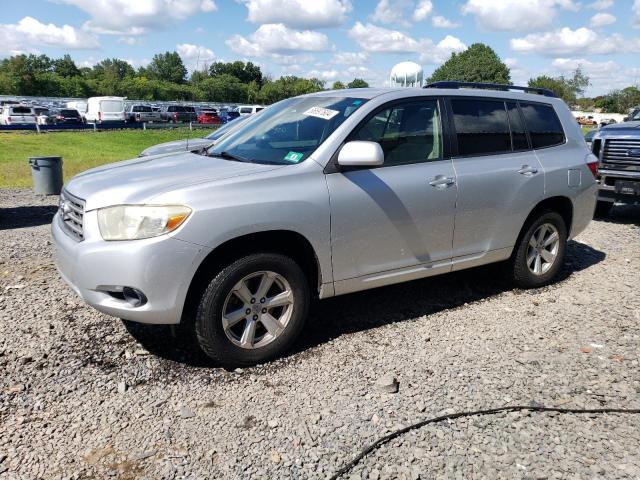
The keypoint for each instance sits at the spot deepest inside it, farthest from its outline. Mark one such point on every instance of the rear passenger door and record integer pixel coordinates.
(499, 177)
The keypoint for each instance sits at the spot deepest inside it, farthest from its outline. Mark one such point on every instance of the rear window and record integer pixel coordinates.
(20, 111)
(246, 110)
(110, 106)
(176, 108)
(543, 124)
(69, 113)
(481, 126)
(189, 109)
(141, 108)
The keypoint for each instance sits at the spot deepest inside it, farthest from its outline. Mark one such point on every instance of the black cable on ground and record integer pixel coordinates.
(451, 416)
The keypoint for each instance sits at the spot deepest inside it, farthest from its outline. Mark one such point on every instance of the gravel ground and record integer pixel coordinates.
(79, 398)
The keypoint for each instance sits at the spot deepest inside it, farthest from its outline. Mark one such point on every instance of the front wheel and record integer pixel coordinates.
(253, 310)
(540, 251)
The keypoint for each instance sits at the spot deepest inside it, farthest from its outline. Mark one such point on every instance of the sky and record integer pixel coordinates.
(337, 39)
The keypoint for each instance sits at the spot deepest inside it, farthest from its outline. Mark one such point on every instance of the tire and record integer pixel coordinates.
(231, 347)
(603, 209)
(521, 266)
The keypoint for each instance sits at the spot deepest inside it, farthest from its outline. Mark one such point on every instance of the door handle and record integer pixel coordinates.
(528, 170)
(440, 181)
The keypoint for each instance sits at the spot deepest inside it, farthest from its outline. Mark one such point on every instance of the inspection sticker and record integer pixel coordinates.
(319, 112)
(293, 157)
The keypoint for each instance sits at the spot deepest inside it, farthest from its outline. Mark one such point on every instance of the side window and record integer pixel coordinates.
(407, 133)
(481, 126)
(543, 124)
(518, 135)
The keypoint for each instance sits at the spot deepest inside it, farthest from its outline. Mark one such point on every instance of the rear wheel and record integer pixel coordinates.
(603, 209)
(540, 251)
(253, 310)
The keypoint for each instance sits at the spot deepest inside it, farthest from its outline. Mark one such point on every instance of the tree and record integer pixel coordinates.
(65, 67)
(566, 88)
(478, 63)
(338, 85)
(245, 72)
(357, 83)
(167, 66)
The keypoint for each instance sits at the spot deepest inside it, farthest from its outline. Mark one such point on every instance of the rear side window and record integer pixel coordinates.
(246, 110)
(21, 110)
(518, 135)
(543, 124)
(481, 126)
(407, 133)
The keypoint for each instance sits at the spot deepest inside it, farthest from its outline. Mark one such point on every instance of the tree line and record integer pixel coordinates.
(165, 78)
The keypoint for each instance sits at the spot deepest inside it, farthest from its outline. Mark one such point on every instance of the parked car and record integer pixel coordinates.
(66, 116)
(105, 109)
(249, 109)
(586, 121)
(42, 115)
(208, 117)
(607, 121)
(633, 116)
(79, 105)
(618, 150)
(142, 113)
(323, 195)
(178, 113)
(17, 115)
(228, 114)
(193, 144)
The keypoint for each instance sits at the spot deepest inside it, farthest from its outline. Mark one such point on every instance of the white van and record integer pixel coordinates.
(79, 105)
(105, 109)
(249, 109)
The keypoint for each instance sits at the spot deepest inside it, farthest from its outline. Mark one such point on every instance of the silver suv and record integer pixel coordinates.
(323, 195)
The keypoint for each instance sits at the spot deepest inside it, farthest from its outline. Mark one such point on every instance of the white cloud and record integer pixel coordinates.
(135, 17)
(515, 14)
(374, 39)
(602, 19)
(636, 12)
(278, 41)
(128, 40)
(601, 4)
(422, 11)
(439, 21)
(195, 56)
(29, 34)
(298, 13)
(350, 58)
(388, 11)
(570, 42)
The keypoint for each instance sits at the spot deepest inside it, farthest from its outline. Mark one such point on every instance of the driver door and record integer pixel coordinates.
(395, 222)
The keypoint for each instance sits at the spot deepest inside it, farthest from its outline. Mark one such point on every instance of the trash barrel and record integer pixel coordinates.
(46, 173)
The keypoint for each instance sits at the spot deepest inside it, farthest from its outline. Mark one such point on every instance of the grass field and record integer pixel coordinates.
(79, 150)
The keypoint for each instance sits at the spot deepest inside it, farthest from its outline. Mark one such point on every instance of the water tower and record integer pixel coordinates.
(406, 74)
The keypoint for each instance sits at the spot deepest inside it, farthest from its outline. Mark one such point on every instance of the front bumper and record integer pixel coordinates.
(160, 267)
(609, 189)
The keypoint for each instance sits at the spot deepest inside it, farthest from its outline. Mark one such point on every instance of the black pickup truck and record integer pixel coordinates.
(618, 150)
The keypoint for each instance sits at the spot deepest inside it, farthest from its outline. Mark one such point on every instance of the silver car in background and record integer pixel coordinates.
(323, 195)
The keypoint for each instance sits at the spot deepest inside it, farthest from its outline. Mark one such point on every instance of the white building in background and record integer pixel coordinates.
(406, 74)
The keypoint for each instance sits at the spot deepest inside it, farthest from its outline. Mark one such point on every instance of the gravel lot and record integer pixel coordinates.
(79, 398)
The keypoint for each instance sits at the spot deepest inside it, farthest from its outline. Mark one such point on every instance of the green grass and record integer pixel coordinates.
(79, 150)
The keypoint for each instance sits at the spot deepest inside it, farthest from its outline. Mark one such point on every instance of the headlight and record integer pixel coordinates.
(131, 222)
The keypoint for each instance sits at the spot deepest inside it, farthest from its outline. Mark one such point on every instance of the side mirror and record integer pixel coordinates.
(361, 154)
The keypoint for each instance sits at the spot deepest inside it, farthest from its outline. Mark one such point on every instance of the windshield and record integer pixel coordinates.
(289, 131)
(635, 116)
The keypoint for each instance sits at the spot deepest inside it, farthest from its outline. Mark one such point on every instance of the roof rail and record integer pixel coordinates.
(491, 86)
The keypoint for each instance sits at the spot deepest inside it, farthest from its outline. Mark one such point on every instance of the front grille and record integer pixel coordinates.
(72, 215)
(623, 153)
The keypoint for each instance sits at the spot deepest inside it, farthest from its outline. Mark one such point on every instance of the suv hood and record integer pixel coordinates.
(177, 146)
(621, 126)
(141, 179)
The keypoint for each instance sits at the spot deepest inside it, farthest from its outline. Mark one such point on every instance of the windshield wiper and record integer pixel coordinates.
(231, 156)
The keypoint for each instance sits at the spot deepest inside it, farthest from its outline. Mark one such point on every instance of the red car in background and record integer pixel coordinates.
(209, 116)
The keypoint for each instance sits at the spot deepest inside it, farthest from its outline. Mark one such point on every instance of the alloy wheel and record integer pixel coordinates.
(542, 249)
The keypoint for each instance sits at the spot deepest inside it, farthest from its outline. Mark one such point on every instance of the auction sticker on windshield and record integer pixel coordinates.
(319, 112)
(293, 157)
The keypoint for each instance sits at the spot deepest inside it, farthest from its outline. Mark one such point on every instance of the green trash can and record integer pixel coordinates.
(46, 173)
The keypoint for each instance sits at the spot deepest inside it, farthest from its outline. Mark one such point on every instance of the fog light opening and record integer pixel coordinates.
(134, 296)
